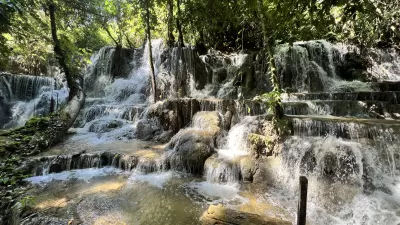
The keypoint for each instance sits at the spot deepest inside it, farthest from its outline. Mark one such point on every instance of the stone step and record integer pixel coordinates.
(146, 161)
(387, 85)
(389, 97)
(364, 109)
(126, 112)
(345, 127)
(125, 155)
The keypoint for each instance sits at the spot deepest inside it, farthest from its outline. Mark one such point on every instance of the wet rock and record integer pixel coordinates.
(110, 63)
(329, 164)
(174, 114)
(104, 126)
(178, 65)
(220, 75)
(147, 129)
(189, 148)
(308, 162)
(354, 67)
(228, 119)
(221, 215)
(248, 167)
(209, 121)
(39, 220)
(55, 168)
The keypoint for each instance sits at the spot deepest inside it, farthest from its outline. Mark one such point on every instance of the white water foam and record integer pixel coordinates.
(358, 189)
(81, 174)
(215, 192)
(154, 179)
(109, 118)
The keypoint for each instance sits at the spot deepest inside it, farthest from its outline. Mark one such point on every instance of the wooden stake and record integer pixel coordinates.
(302, 210)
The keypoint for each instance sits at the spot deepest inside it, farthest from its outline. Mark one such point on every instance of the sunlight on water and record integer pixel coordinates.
(155, 179)
(82, 174)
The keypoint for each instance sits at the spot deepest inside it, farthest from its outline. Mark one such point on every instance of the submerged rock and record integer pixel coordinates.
(221, 215)
(104, 126)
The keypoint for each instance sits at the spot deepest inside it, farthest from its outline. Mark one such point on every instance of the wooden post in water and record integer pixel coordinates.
(302, 210)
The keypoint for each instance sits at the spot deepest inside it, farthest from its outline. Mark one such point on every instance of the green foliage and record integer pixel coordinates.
(10, 174)
(26, 45)
(27, 201)
(282, 126)
(271, 99)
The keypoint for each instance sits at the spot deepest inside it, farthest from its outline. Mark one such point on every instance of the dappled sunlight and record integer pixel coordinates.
(104, 187)
(52, 203)
(259, 206)
(148, 154)
(108, 219)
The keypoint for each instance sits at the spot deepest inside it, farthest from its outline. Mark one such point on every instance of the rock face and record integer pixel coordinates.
(182, 72)
(354, 67)
(189, 148)
(220, 215)
(166, 118)
(109, 63)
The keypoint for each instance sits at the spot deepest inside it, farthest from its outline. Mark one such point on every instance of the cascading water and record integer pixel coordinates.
(230, 161)
(351, 162)
(351, 182)
(313, 67)
(24, 96)
(113, 110)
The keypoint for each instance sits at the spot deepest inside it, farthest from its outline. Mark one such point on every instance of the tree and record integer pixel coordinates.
(170, 23)
(147, 6)
(59, 52)
(179, 23)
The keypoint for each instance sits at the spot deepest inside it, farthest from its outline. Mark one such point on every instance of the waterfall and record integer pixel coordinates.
(24, 96)
(229, 163)
(340, 139)
(115, 106)
(344, 134)
(319, 66)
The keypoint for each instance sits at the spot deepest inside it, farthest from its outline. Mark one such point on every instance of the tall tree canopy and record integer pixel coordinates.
(85, 26)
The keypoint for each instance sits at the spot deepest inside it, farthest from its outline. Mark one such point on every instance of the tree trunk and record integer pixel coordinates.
(171, 38)
(267, 49)
(179, 25)
(110, 35)
(76, 99)
(148, 34)
(60, 54)
(267, 46)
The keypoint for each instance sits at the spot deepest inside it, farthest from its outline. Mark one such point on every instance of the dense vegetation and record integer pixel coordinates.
(26, 44)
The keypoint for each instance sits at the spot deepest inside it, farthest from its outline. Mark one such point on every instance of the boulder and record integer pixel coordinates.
(248, 167)
(354, 67)
(146, 129)
(221, 215)
(189, 148)
(209, 121)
